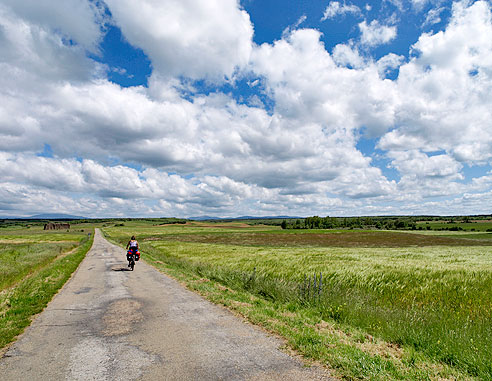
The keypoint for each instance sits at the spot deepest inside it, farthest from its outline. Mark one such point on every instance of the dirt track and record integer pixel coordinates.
(108, 323)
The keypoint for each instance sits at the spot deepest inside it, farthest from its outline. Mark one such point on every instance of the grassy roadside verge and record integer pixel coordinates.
(20, 260)
(350, 352)
(31, 295)
(434, 300)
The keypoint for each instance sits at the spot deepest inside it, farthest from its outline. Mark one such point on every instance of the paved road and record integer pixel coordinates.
(108, 323)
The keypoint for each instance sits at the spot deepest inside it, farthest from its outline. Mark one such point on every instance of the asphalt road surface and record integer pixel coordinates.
(109, 323)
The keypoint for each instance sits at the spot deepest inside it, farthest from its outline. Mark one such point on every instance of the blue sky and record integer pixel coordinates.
(227, 108)
(272, 18)
(131, 66)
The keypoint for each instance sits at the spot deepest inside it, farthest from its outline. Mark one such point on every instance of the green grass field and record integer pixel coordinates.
(34, 264)
(473, 226)
(392, 305)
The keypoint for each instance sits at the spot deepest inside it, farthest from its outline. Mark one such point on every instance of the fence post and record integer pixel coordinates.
(309, 288)
(315, 287)
(304, 288)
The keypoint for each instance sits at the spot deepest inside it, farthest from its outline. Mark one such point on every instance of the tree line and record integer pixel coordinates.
(327, 222)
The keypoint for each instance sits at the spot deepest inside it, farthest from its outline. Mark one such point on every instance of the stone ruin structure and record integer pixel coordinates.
(56, 226)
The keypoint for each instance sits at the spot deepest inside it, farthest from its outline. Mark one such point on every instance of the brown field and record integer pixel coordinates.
(340, 239)
(228, 226)
(239, 225)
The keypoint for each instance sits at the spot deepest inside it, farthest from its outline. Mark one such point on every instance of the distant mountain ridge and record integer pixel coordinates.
(204, 218)
(55, 216)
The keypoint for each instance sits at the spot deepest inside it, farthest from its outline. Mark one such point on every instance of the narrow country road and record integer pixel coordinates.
(108, 323)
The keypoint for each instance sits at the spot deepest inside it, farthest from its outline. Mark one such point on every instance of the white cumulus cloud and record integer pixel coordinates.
(77, 20)
(168, 149)
(446, 106)
(335, 9)
(374, 34)
(389, 62)
(190, 38)
(433, 16)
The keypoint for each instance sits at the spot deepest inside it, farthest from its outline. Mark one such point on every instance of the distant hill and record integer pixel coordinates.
(208, 218)
(265, 217)
(55, 216)
(203, 218)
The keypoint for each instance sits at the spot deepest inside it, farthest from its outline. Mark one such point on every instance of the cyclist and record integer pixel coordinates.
(132, 245)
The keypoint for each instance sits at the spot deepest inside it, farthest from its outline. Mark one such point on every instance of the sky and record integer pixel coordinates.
(226, 108)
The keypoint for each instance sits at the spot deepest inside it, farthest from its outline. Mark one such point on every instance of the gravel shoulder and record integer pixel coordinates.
(108, 323)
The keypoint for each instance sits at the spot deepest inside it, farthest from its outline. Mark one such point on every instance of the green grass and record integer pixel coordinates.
(433, 303)
(25, 251)
(479, 226)
(19, 260)
(33, 272)
(474, 236)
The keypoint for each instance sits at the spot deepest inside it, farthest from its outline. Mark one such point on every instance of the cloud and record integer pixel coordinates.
(417, 166)
(89, 188)
(309, 137)
(376, 34)
(336, 9)
(168, 149)
(62, 176)
(191, 38)
(389, 62)
(399, 4)
(76, 20)
(207, 136)
(348, 55)
(30, 50)
(308, 85)
(419, 4)
(445, 85)
(291, 28)
(433, 16)
(324, 120)
(300, 21)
